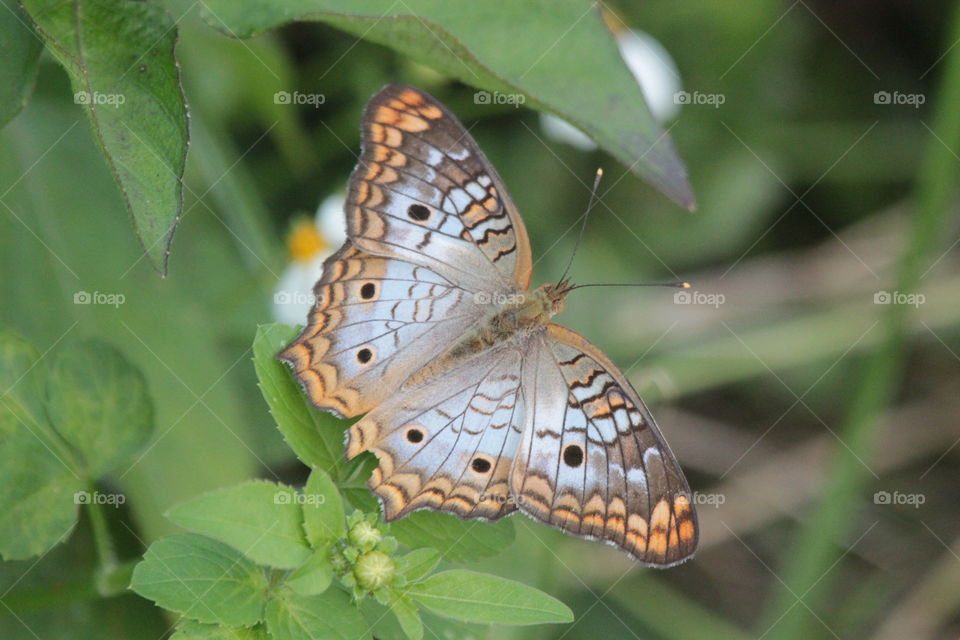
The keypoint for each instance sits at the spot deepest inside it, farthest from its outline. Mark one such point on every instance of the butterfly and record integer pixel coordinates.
(474, 402)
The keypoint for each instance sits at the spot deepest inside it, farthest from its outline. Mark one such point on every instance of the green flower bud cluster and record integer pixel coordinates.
(363, 559)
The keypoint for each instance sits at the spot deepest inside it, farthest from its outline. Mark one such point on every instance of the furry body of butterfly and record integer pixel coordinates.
(509, 323)
(475, 403)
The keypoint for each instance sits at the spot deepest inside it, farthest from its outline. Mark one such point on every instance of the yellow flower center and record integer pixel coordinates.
(304, 241)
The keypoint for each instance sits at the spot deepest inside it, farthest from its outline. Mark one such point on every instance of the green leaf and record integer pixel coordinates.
(316, 437)
(512, 47)
(385, 625)
(119, 55)
(20, 48)
(314, 576)
(479, 597)
(99, 403)
(330, 615)
(38, 478)
(262, 520)
(203, 579)
(418, 563)
(408, 617)
(458, 540)
(192, 630)
(323, 517)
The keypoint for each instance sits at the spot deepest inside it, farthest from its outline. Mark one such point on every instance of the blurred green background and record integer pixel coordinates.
(790, 403)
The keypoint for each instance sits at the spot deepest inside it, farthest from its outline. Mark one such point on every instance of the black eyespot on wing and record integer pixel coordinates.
(481, 465)
(368, 290)
(414, 436)
(418, 212)
(573, 455)
(364, 355)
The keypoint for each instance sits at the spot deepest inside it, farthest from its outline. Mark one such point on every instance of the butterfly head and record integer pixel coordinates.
(554, 296)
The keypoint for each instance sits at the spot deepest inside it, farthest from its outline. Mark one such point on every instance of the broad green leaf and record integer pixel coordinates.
(457, 540)
(38, 476)
(418, 563)
(99, 403)
(510, 47)
(316, 437)
(20, 47)
(203, 579)
(330, 615)
(323, 517)
(385, 625)
(314, 576)
(408, 617)
(193, 630)
(119, 55)
(480, 597)
(260, 519)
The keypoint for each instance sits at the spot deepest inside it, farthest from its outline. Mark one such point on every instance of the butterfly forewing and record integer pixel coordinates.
(424, 192)
(376, 320)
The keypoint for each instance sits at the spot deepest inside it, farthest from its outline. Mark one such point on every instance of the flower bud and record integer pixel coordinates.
(374, 570)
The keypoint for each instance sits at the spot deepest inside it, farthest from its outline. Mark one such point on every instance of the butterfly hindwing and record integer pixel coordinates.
(592, 461)
(424, 192)
(448, 445)
(375, 321)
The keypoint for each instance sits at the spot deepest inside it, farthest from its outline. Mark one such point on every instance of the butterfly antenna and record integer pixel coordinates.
(675, 285)
(583, 227)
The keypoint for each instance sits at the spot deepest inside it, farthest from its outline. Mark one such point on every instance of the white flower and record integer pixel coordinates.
(653, 68)
(310, 243)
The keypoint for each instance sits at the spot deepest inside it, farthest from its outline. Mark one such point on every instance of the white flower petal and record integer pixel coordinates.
(293, 295)
(331, 220)
(562, 131)
(654, 69)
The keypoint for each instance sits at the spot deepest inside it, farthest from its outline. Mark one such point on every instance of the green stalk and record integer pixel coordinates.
(809, 573)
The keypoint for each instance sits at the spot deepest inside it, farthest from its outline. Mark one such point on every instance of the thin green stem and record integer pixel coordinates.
(103, 542)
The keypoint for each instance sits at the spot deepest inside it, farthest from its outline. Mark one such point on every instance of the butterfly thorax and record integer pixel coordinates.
(513, 316)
